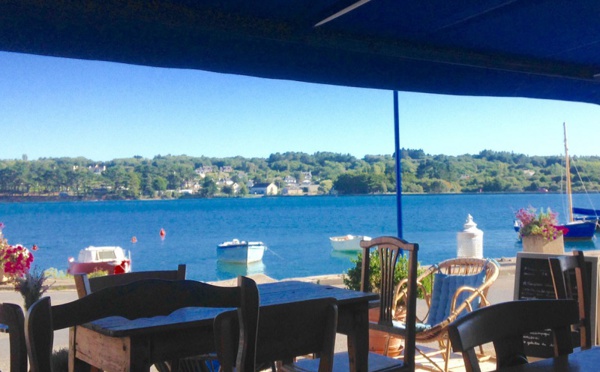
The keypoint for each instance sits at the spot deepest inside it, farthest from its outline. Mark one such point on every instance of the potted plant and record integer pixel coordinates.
(540, 232)
(31, 286)
(352, 279)
(15, 260)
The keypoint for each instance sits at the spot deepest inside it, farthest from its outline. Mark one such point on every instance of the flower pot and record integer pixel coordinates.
(378, 339)
(537, 244)
(3, 278)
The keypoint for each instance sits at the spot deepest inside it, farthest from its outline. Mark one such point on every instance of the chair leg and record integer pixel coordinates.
(483, 357)
(428, 357)
(447, 356)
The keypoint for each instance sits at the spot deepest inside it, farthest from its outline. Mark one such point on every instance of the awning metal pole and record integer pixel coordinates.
(398, 166)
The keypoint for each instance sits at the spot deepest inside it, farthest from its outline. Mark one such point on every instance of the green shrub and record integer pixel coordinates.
(353, 275)
(96, 273)
(54, 273)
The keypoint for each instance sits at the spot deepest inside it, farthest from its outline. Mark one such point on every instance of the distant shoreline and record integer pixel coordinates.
(57, 198)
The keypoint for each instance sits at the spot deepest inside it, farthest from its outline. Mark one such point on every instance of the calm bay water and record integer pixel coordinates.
(296, 229)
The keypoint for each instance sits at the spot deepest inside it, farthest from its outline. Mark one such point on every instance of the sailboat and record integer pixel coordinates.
(577, 229)
(588, 215)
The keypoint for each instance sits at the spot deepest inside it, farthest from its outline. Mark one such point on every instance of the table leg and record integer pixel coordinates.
(89, 348)
(358, 337)
(140, 355)
(74, 363)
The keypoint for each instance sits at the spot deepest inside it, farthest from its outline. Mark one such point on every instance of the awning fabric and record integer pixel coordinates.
(529, 48)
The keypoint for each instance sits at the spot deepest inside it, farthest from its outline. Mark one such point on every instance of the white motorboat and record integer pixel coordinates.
(241, 252)
(348, 242)
(108, 258)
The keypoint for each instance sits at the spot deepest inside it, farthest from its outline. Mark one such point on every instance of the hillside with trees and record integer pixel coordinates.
(175, 176)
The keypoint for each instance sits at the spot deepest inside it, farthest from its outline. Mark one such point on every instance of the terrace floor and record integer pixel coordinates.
(63, 290)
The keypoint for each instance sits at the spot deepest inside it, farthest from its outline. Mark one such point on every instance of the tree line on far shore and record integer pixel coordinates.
(174, 176)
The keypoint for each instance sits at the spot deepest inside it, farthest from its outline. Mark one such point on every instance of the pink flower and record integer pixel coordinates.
(543, 223)
(16, 260)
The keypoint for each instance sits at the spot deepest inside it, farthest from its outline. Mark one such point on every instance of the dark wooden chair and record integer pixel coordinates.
(285, 332)
(563, 270)
(505, 323)
(86, 285)
(389, 249)
(12, 322)
(133, 301)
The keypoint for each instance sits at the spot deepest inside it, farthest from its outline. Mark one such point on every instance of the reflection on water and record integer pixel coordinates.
(349, 255)
(585, 245)
(230, 270)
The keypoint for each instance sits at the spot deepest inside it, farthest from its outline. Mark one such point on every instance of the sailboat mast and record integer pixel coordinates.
(568, 176)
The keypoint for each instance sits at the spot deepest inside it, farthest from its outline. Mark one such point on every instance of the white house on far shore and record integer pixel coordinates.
(264, 189)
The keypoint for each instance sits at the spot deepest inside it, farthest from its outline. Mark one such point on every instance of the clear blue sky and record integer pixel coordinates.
(56, 107)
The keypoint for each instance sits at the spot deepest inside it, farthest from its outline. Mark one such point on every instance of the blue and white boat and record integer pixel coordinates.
(240, 252)
(580, 230)
(588, 215)
(347, 243)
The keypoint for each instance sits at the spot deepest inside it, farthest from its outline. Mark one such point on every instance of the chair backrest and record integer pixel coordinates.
(449, 298)
(389, 248)
(563, 268)
(139, 299)
(86, 285)
(285, 331)
(505, 323)
(468, 266)
(11, 316)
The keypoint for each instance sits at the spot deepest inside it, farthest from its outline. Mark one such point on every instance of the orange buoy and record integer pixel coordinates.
(163, 233)
(134, 239)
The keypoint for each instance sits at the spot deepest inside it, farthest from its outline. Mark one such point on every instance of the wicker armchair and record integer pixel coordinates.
(466, 290)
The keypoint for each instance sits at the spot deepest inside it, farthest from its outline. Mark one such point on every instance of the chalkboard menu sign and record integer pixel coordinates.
(534, 281)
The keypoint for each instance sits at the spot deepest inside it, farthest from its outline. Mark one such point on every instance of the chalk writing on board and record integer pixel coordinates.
(535, 280)
(539, 344)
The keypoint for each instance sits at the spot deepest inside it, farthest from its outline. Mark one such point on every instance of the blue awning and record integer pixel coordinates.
(548, 49)
(542, 49)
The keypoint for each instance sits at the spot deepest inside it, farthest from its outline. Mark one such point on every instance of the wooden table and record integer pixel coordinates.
(118, 344)
(587, 360)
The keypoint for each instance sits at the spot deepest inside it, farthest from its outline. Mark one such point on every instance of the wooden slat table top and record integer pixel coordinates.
(587, 360)
(270, 294)
(291, 291)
